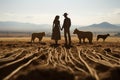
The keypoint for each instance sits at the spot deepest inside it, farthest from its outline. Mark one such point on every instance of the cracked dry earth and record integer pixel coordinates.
(38, 61)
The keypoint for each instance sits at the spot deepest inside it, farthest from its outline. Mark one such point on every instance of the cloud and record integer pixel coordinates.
(116, 11)
(29, 18)
(112, 16)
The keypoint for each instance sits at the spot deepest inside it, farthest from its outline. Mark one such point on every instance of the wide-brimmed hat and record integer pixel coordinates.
(65, 14)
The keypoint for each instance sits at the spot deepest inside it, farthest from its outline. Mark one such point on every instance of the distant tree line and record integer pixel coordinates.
(118, 34)
(48, 34)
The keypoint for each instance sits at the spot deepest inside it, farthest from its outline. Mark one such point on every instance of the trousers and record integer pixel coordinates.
(67, 37)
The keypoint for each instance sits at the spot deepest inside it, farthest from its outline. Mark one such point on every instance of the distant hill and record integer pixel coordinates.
(23, 27)
(28, 27)
(118, 24)
(102, 27)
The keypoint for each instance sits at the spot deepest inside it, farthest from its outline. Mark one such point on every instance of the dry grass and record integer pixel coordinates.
(109, 39)
(19, 59)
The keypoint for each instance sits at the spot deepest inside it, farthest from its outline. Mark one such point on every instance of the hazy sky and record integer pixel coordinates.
(81, 12)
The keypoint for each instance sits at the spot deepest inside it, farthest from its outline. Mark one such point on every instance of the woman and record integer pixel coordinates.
(56, 30)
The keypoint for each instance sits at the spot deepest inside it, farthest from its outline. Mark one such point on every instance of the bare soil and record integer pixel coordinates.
(22, 60)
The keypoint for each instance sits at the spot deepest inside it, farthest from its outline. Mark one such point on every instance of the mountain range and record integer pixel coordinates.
(101, 27)
(29, 27)
(23, 27)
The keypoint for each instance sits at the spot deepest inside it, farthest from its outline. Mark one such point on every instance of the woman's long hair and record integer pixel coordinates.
(56, 18)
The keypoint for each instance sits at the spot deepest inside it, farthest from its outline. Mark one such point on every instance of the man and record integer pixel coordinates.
(66, 26)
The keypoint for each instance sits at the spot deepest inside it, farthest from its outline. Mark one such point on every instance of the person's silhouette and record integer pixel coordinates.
(56, 30)
(66, 26)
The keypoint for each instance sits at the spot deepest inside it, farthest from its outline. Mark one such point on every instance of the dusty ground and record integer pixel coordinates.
(21, 60)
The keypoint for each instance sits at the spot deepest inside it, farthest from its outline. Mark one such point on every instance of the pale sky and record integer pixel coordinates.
(81, 12)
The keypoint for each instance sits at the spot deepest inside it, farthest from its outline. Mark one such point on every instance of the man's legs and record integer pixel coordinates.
(69, 37)
(65, 36)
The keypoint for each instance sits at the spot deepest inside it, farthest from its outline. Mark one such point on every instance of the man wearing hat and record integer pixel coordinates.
(66, 26)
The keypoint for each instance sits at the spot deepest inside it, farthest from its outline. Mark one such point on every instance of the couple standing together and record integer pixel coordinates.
(56, 30)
